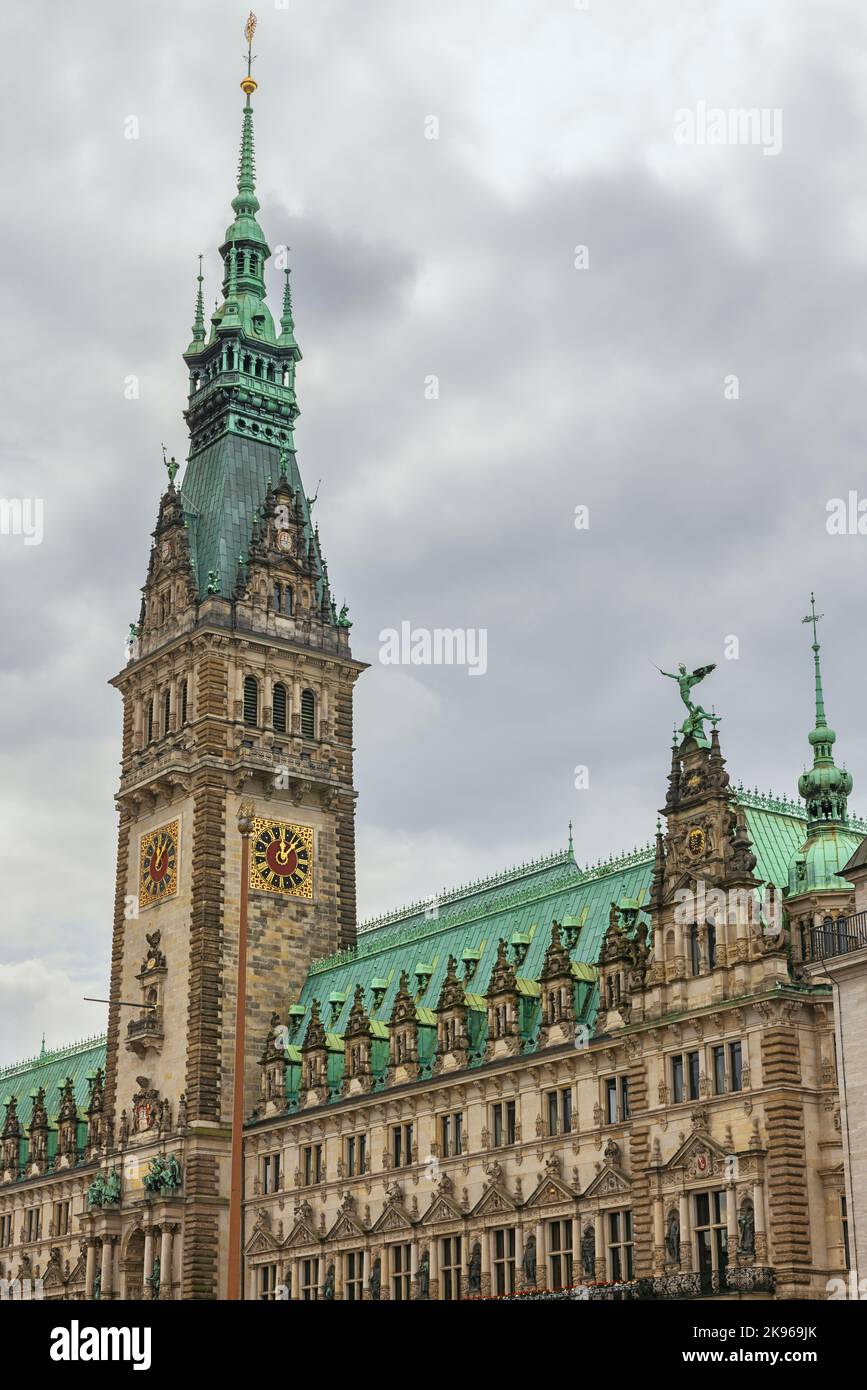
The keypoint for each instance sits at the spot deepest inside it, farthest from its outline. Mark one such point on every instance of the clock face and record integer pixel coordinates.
(281, 858)
(158, 864)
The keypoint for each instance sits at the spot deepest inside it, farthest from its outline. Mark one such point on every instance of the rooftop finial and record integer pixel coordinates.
(199, 320)
(825, 787)
(814, 617)
(248, 83)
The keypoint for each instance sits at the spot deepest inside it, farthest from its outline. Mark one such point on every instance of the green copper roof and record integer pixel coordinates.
(242, 404)
(520, 905)
(223, 489)
(50, 1070)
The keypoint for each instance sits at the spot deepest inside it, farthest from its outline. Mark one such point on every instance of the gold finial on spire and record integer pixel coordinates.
(248, 83)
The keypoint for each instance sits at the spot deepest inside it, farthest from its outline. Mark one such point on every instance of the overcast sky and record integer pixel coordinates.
(559, 387)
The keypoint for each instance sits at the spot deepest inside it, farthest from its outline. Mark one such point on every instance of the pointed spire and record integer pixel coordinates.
(198, 341)
(825, 787)
(287, 320)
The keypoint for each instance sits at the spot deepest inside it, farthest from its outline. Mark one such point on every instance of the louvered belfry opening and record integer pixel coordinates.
(308, 714)
(251, 701)
(280, 708)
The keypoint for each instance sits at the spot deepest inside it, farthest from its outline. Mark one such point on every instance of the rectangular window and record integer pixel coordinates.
(312, 1164)
(611, 1100)
(677, 1091)
(271, 1173)
(309, 1281)
(5, 1230)
(558, 1106)
(353, 1275)
(267, 1282)
(619, 1245)
(566, 1110)
(694, 1075)
(401, 1146)
(552, 1099)
(736, 1069)
(32, 1222)
(356, 1155)
(504, 1261)
(452, 1135)
(560, 1253)
(710, 1237)
(401, 1272)
(719, 1071)
(450, 1267)
(616, 1100)
(503, 1123)
(61, 1219)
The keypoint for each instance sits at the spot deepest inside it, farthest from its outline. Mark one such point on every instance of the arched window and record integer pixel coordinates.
(251, 700)
(150, 718)
(308, 714)
(280, 708)
(184, 703)
(167, 711)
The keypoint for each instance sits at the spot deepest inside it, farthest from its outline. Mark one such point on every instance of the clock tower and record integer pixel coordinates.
(237, 692)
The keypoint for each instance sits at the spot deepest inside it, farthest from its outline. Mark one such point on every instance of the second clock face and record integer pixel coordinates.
(281, 858)
(158, 864)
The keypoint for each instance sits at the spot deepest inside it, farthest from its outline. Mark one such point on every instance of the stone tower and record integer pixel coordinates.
(238, 690)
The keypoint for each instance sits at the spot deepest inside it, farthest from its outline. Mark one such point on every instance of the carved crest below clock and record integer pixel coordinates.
(158, 864)
(695, 841)
(281, 858)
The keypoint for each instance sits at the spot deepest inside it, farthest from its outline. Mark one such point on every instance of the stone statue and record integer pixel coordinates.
(672, 1237)
(588, 1252)
(376, 1280)
(693, 725)
(530, 1260)
(97, 1285)
(424, 1276)
(474, 1283)
(328, 1286)
(746, 1229)
(154, 1279)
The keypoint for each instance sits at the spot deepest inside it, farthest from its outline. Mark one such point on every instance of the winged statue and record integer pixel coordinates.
(693, 725)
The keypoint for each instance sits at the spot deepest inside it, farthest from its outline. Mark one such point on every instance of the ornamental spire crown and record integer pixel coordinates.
(825, 787)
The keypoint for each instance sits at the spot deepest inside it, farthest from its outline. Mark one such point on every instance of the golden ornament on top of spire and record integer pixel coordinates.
(248, 83)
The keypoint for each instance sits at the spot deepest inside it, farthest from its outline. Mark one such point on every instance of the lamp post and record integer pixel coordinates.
(235, 1290)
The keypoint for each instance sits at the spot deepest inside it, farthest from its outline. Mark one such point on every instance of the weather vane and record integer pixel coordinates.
(248, 85)
(813, 617)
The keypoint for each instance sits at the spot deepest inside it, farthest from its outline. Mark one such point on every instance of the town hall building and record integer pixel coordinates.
(616, 1080)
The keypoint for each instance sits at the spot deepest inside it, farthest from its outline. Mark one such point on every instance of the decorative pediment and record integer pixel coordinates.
(442, 1209)
(301, 1234)
(609, 1181)
(494, 1199)
(345, 1228)
(261, 1242)
(392, 1218)
(699, 1157)
(550, 1189)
